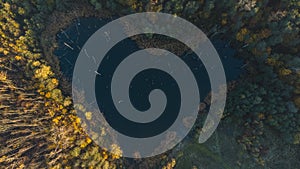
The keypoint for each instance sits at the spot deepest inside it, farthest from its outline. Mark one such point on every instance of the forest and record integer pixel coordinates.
(39, 127)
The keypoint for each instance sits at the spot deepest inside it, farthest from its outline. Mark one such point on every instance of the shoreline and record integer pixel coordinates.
(48, 37)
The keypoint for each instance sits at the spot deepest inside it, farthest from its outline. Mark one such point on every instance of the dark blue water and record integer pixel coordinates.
(73, 38)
